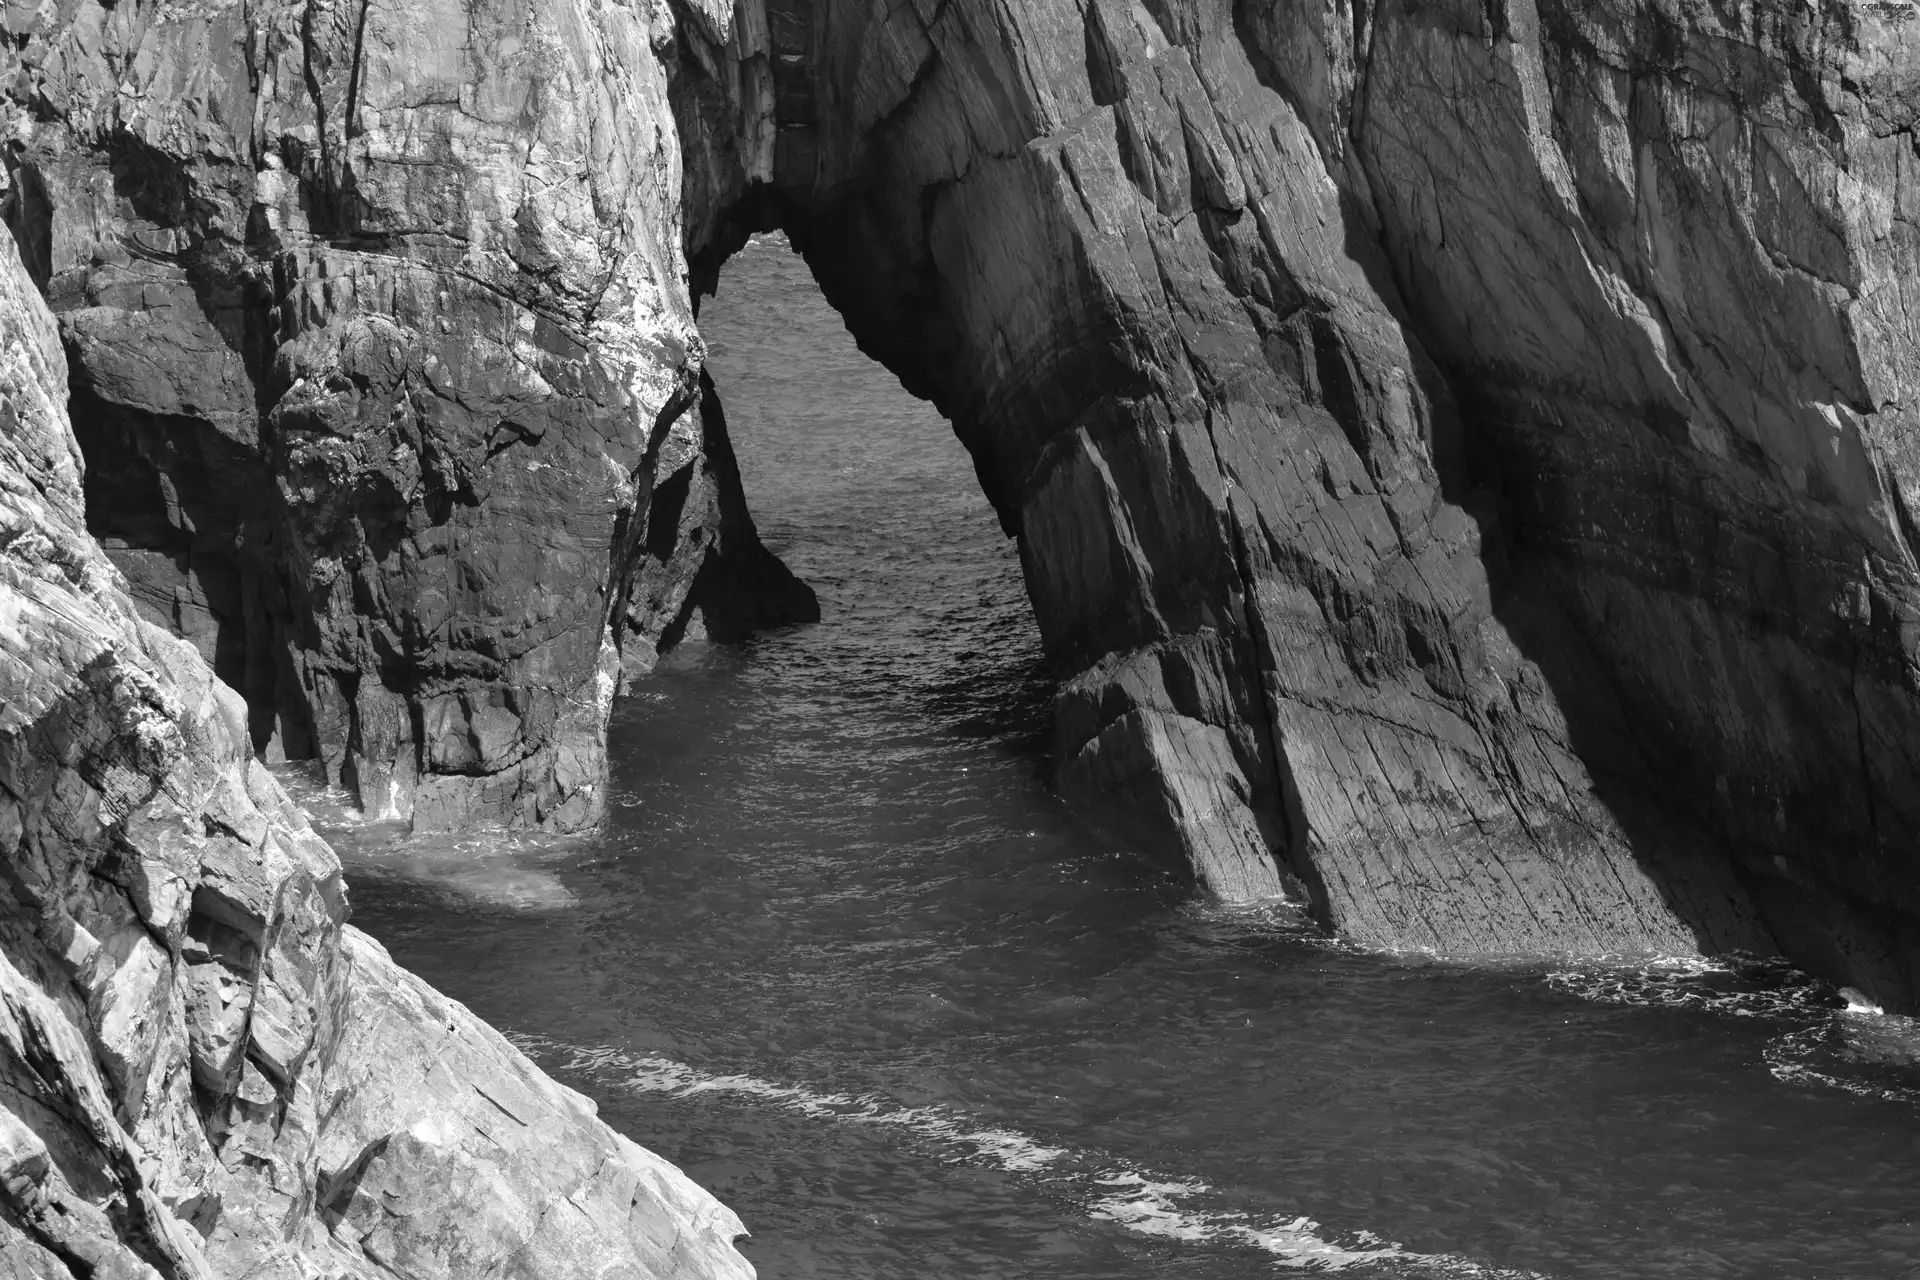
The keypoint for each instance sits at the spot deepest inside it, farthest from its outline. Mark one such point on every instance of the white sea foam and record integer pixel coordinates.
(1165, 1207)
(1152, 1206)
(1105, 1189)
(491, 865)
(1791, 1059)
(1701, 983)
(1014, 1152)
(1855, 1048)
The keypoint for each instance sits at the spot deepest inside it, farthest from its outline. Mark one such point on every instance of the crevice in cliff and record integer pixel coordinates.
(1295, 852)
(351, 123)
(26, 206)
(1866, 759)
(320, 180)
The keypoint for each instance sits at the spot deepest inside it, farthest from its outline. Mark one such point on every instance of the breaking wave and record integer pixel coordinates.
(1728, 987)
(1102, 1187)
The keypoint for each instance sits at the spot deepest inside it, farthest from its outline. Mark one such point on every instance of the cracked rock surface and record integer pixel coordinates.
(204, 1072)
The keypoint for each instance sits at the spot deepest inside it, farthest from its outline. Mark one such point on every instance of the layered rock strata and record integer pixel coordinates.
(204, 1072)
(1462, 454)
(380, 345)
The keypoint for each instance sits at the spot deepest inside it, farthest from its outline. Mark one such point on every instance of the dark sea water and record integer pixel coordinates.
(844, 956)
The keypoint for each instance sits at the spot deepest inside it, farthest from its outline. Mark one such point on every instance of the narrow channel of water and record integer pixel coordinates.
(843, 956)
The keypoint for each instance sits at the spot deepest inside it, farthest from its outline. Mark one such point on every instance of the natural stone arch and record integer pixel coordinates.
(1195, 401)
(1175, 273)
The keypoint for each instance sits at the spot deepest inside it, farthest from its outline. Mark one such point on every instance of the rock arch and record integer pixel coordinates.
(1423, 451)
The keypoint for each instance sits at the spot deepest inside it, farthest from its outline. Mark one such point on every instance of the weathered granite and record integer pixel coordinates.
(1461, 453)
(378, 332)
(204, 1072)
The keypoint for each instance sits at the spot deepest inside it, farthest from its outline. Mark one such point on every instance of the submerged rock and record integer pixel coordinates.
(206, 1072)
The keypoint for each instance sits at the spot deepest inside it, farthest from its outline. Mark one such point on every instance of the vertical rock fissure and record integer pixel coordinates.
(320, 177)
(352, 128)
(1296, 853)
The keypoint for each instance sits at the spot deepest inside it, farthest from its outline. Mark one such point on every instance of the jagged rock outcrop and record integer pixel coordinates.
(379, 342)
(203, 1071)
(1461, 453)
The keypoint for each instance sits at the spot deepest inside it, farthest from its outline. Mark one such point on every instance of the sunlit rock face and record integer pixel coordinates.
(380, 345)
(203, 1071)
(1462, 455)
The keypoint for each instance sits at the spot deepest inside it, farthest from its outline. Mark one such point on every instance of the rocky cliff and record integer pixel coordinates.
(204, 1072)
(379, 347)
(1460, 452)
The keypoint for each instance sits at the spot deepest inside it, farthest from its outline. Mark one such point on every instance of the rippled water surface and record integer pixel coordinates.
(843, 956)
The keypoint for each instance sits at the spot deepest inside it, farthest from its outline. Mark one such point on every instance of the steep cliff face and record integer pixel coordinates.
(379, 345)
(1687, 346)
(203, 1071)
(1461, 454)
